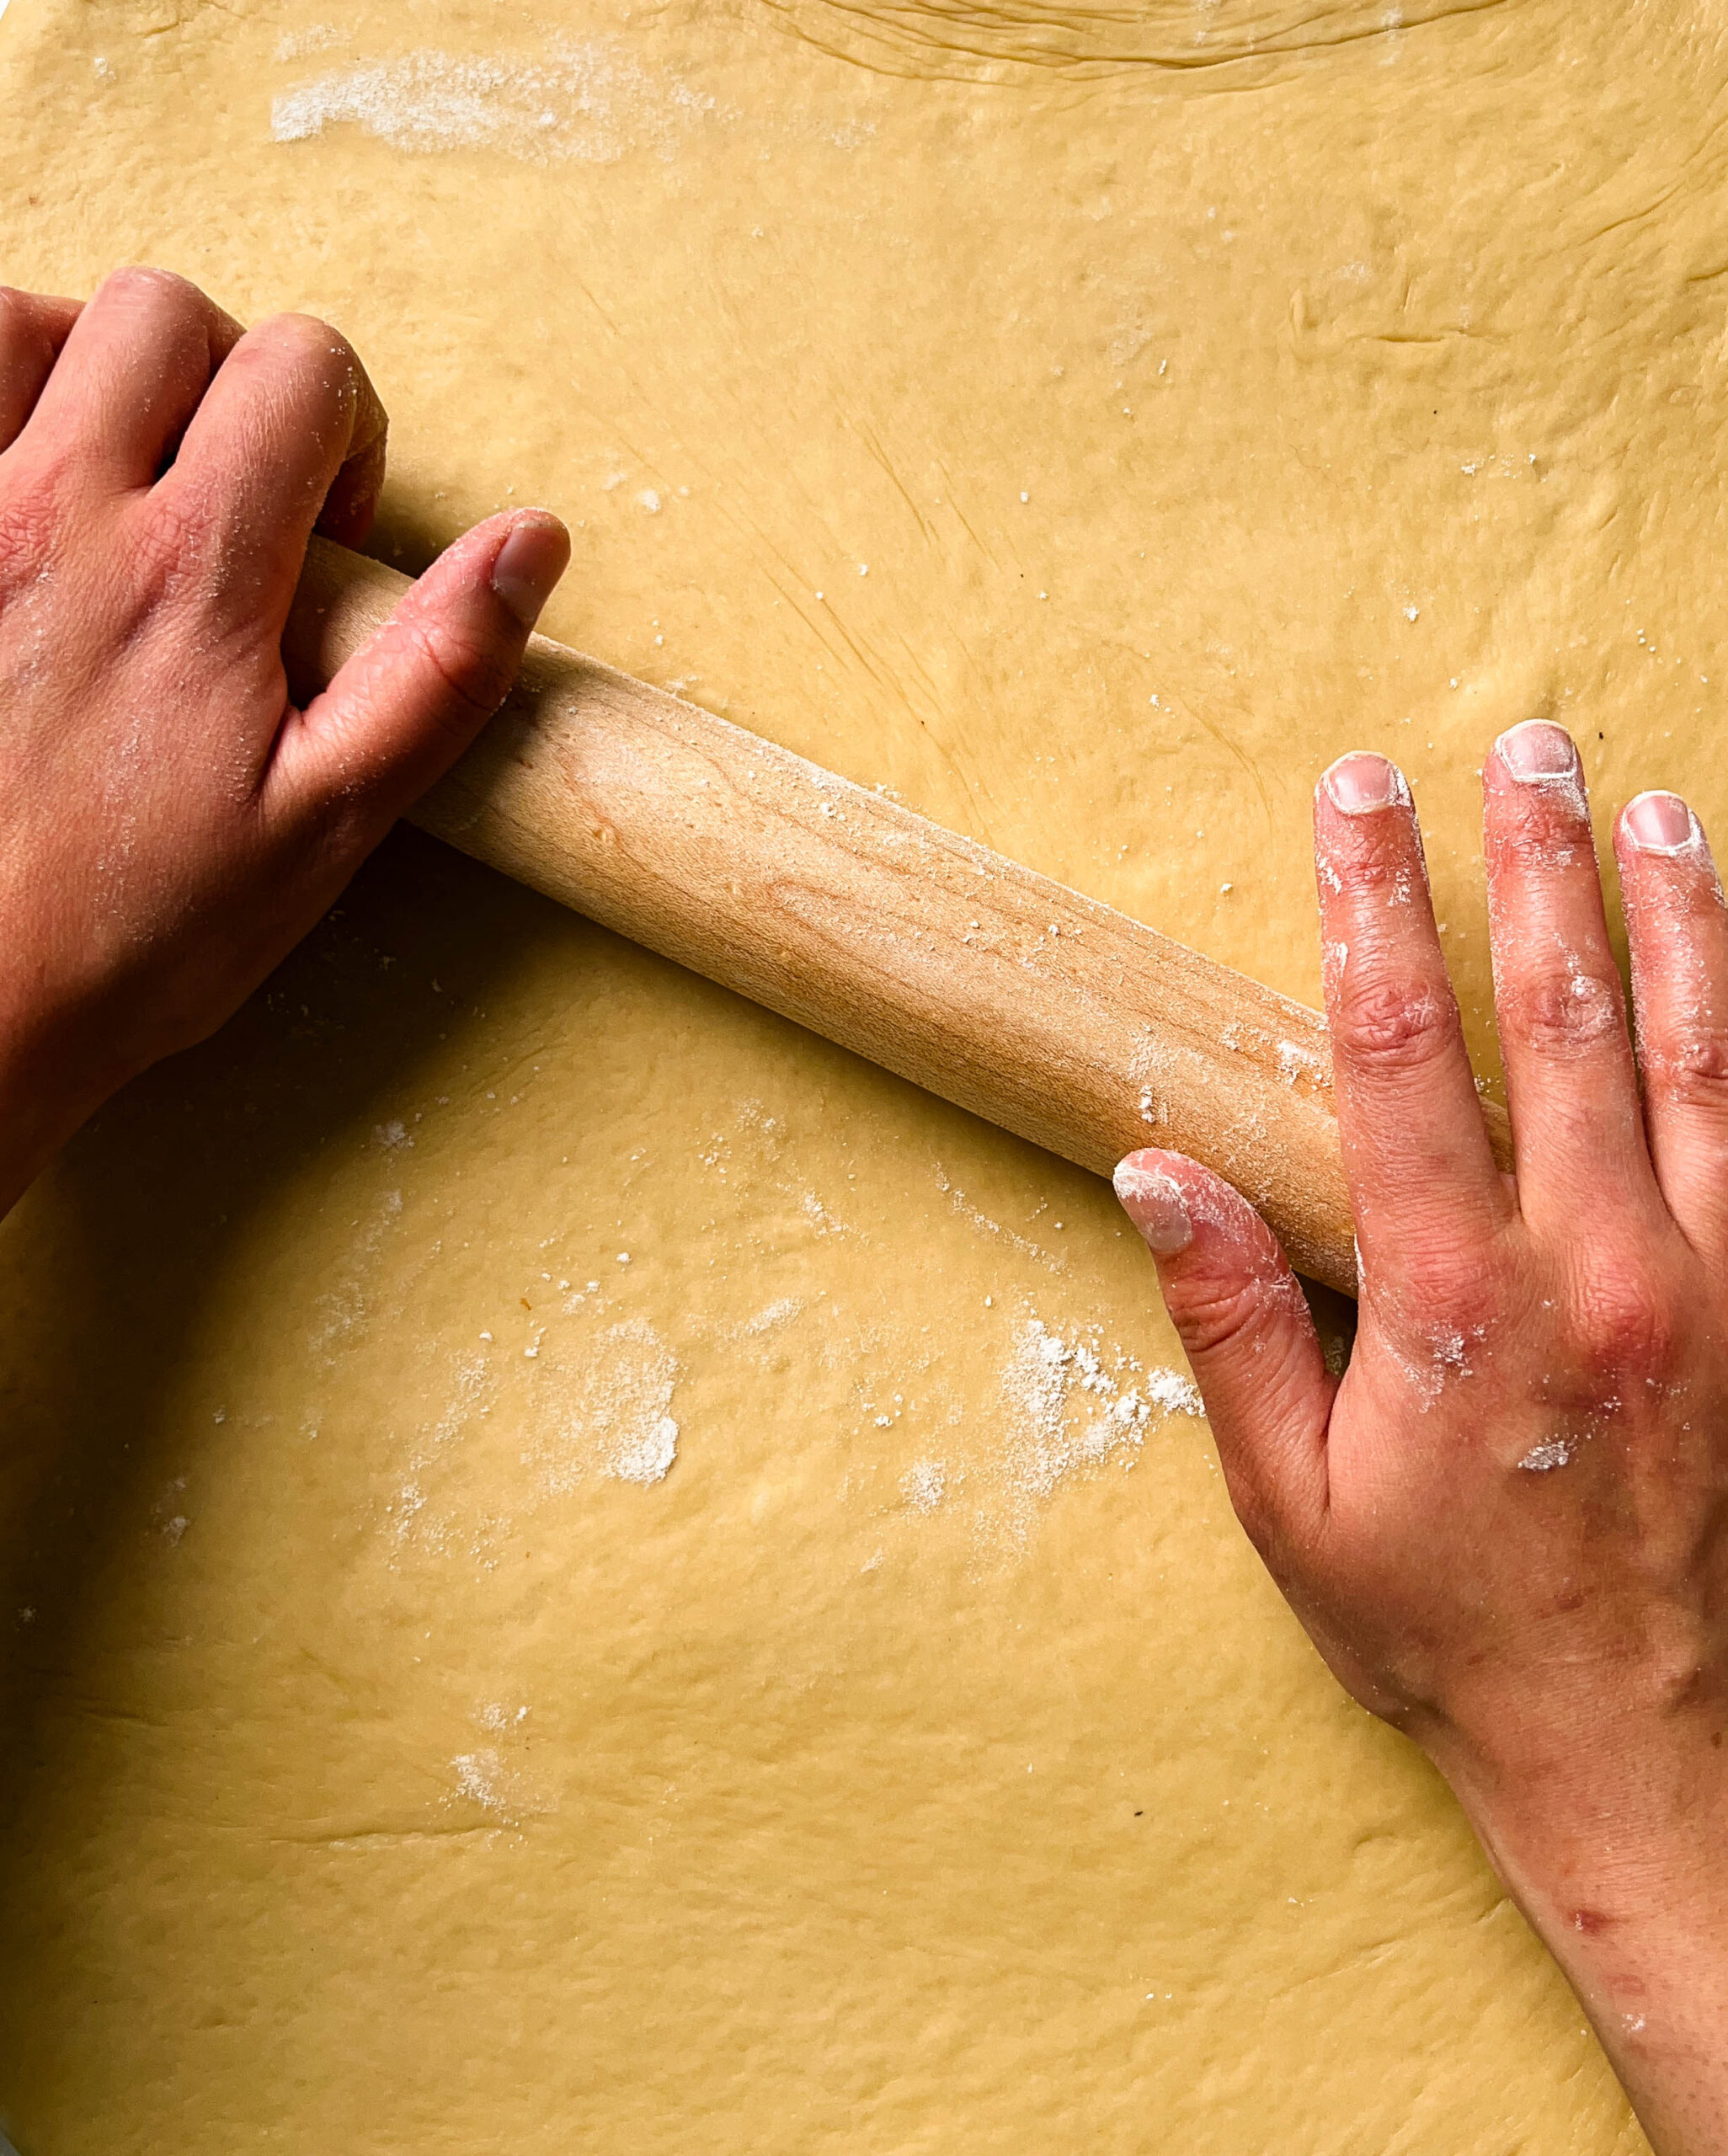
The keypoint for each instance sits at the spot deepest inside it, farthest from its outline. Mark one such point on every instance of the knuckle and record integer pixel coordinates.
(169, 540)
(1562, 1015)
(1379, 856)
(1624, 1319)
(1218, 1310)
(31, 517)
(1541, 829)
(1390, 1023)
(1444, 1288)
(472, 677)
(1375, 857)
(1691, 1072)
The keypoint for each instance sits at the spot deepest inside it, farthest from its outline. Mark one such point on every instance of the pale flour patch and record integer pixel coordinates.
(820, 1218)
(773, 1315)
(342, 1308)
(619, 1417)
(982, 1221)
(923, 1483)
(1065, 1414)
(317, 37)
(592, 102)
(485, 1778)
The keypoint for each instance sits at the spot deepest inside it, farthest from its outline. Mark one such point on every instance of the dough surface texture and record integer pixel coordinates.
(577, 1567)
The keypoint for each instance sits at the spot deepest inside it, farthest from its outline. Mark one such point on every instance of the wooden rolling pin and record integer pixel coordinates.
(1060, 1019)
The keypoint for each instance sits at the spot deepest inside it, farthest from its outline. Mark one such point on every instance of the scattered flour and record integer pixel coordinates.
(1171, 1393)
(622, 1414)
(774, 1315)
(598, 1405)
(818, 1214)
(486, 1778)
(317, 37)
(1065, 1415)
(170, 1522)
(1296, 1061)
(478, 1776)
(963, 1206)
(341, 1309)
(591, 101)
(923, 1483)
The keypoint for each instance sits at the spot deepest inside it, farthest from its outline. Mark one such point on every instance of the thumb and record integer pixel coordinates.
(400, 711)
(1249, 1339)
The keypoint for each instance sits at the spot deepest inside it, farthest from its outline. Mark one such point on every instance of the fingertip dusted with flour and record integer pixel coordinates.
(1154, 1201)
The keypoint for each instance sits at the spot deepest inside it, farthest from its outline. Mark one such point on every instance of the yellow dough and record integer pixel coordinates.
(578, 1569)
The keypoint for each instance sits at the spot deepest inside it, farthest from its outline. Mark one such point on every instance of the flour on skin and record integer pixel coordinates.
(1543, 1459)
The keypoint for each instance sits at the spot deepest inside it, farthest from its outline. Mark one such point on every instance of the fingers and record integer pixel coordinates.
(1248, 1336)
(32, 329)
(130, 371)
(1571, 1084)
(402, 711)
(289, 438)
(1421, 1177)
(1678, 926)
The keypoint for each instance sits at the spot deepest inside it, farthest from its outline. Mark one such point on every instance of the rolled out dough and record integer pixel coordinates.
(577, 1568)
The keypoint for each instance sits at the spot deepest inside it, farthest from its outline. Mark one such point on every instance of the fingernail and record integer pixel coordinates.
(1154, 1202)
(1361, 781)
(529, 563)
(1659, 823)
(1536, 750)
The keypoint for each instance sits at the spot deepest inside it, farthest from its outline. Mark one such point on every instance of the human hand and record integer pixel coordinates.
(1505, 1528)
(170, 823)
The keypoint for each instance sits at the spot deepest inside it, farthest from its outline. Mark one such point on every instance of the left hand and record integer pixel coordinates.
(170, 822)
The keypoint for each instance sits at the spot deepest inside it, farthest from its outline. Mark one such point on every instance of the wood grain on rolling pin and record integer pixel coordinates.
(1058, 1018)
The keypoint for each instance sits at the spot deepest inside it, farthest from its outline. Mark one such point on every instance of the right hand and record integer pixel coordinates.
(1506, 1527)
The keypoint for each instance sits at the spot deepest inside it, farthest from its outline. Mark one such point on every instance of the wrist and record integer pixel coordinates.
(45, 1094)
(1615, 1859)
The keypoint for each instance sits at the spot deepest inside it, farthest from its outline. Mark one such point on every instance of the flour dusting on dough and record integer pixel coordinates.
(295, 45)
(343, 1308)
(774, 1315)
(923, 1483)
(591, 102)
(485, 1778)
(980, 1219)
(1066, 1414)
(624, 1410)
